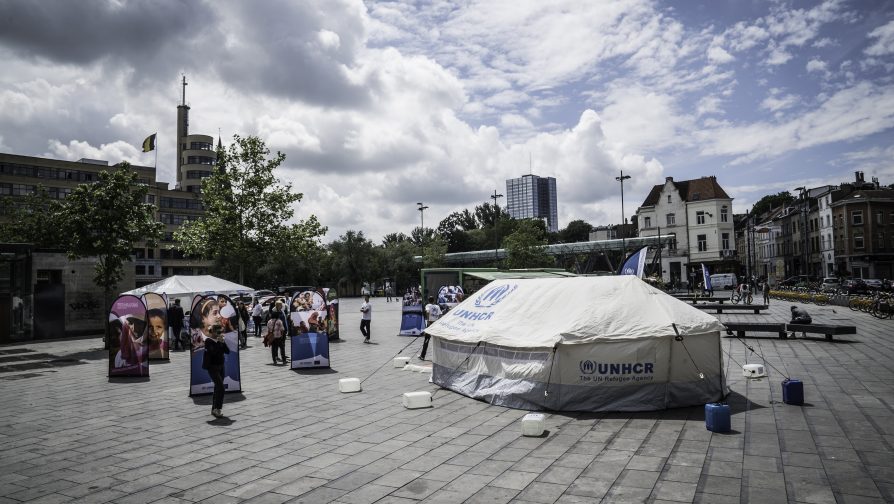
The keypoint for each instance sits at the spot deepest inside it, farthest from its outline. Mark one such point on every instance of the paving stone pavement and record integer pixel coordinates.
(69, 434)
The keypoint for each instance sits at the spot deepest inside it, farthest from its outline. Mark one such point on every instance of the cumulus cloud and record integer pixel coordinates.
(883, 40)
(379, 105)
(849, 114)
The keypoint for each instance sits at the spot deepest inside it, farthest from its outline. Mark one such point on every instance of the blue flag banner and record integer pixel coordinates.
(636, 263)
(707, 277)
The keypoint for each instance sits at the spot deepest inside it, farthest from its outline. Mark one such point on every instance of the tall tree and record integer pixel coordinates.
(576, 231)
(352, 254)
(772, 201)
(525, 246)
(104, 220)
(488, 215)
(33, 219)
(246, 210)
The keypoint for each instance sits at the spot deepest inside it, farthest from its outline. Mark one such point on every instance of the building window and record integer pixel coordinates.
(699, 217)
(724, 214)
(857, 217)
(671, 219)
(858, 242)
(724, 241)
(151, 269)
(141, 269)
(702, 243)
(668, 198)
(647, 222)
(880, 240)
(878, 217)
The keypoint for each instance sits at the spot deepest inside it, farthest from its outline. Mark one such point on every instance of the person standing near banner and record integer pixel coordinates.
(257, 313)
(432, 314)
(175, 321)
(213, 361)
(365, 318)
(243, 324)
(277, 339)
(765, 289)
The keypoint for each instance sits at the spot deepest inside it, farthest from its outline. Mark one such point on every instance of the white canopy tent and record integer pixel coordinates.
(185, 286)
(579, 344)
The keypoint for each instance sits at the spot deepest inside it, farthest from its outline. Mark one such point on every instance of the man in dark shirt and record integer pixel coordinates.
(175, 321)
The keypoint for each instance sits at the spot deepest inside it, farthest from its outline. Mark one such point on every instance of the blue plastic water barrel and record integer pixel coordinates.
(717, 417)
(792, 391)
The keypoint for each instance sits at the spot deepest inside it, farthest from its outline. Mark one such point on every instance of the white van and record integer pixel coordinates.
(724, 281)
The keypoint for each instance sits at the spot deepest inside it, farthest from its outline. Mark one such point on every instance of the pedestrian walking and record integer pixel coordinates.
(242, 311)
(213, 361)
(432, 314)
(276, 337)
(365, 318)
(175, 321)
(257, 316)
(765, 289)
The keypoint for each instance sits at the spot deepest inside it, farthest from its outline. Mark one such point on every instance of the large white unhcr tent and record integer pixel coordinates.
(579, 344)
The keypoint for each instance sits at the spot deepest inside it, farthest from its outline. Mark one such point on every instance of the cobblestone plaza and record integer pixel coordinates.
(69, 434)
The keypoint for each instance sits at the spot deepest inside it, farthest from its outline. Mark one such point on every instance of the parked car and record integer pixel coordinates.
(854, 286)
(873, 283)
(830, 284)
(797, 281)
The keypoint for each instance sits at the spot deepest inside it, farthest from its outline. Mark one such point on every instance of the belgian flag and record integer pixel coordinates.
(149, 143)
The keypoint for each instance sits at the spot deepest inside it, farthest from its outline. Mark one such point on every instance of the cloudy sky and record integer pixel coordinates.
(378, 105)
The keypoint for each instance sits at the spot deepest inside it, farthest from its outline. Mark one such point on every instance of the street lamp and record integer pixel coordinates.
(621, 179)
(421, 209)
(494, 197)
(806, 244)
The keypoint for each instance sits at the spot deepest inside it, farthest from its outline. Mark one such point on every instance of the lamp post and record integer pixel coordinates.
(494, 197)
(621, 179)
(421, 209)
(804, 248)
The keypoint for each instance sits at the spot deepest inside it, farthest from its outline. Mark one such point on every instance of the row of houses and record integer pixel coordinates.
(829, 231)
(845, 230)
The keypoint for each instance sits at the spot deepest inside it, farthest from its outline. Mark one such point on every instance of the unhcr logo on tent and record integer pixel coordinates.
(494, 295)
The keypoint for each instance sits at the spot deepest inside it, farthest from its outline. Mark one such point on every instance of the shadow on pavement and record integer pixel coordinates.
(314, 371)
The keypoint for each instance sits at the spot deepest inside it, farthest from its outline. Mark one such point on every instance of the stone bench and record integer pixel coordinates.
(742, 327)
(828, 330)
(720, 307)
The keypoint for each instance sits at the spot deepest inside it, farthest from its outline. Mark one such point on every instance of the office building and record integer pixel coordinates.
(533, 197)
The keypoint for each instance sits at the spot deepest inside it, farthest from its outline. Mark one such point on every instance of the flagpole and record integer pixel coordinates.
(156, 155)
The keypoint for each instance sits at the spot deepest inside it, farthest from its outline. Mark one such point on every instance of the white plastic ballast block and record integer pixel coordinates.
(754, 371)
(532, 424)
(415, 400)
(400, 362)
(346, 385)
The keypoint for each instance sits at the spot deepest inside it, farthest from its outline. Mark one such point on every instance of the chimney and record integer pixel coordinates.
(668, 179)
(859, 177)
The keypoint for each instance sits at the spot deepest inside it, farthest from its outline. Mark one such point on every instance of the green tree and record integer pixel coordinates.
(576, 231)
(33, 219)
(397, 253)
(771, 201)
(351, 254)
(434, 253)
(104, 220)
(246, 209)
(525, 246)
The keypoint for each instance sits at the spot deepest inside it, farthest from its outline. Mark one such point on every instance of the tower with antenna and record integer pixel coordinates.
(195, 153)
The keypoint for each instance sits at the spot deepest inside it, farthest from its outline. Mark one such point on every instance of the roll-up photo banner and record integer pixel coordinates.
(207, 311)
(128, 348)
(157, 326)
(309, 318)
